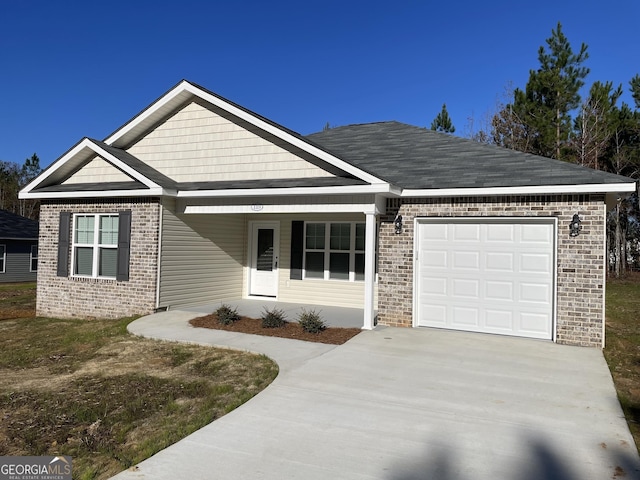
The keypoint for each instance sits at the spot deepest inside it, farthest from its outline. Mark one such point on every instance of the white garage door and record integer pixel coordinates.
(492, 275)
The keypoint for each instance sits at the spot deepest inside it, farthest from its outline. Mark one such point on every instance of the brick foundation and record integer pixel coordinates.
(68, 297)
(580, 260)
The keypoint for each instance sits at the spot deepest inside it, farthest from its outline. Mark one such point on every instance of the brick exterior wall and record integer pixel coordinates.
(580, 260)
(68, 297)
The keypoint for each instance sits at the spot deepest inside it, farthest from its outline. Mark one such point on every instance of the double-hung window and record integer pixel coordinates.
(34, 258)
(3, 257)
(95, 245)
(334, 250)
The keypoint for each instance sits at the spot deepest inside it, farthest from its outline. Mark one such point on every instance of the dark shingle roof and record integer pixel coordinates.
(15, 227)
(416, 158)
(138, 165)
(272, 183)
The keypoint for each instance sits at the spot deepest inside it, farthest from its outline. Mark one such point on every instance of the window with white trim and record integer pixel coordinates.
(95, 245)
(334, 250)
(34, 258)
(3, 257)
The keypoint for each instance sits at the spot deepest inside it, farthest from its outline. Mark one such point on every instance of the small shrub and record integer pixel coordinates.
(227, 315)
(311, 322)
(273, 318)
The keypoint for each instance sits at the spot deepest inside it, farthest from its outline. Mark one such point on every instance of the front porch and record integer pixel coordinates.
(332, 316)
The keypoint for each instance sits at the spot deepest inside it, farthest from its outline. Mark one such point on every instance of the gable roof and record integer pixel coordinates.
(144, 179)
(419, 159)
(389, 158)
(185, 92)
(15, 227)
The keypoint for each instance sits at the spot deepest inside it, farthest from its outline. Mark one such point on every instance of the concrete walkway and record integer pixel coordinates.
(407, 404)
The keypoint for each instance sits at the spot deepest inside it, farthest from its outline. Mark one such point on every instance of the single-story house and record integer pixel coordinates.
(18, 248)
(197, 200)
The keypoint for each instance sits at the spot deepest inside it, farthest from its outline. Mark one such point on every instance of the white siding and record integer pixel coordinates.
(202, 258)
(197, 144)
(97, 170)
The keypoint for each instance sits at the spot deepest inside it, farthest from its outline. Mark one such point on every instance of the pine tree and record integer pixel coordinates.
(543, 108)
(442, 122)
(635, 90)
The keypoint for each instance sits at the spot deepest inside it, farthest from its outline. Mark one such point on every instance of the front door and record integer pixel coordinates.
(265, 252)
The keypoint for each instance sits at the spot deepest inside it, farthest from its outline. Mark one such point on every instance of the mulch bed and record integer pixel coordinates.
(330, 335)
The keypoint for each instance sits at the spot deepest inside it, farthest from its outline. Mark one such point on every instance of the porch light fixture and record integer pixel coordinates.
(575, 226)
(398, 224)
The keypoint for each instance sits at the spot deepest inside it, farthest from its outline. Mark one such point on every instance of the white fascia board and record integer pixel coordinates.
(133, 173)
(268, 192)
(185, 86)
(154, 192)
(145, 114)
(287, 137)
(85, 143)
(281, 209)
(532, 190)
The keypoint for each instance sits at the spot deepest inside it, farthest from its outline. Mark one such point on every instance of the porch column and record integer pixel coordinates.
(369, 270)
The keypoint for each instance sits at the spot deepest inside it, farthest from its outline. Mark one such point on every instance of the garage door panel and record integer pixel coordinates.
(434, 258)
(433, 286)
(466, 260)
(536, 234)
(438, 232)
(535, 293)
(500, 233)
(535, 263)
(465, 318)
(537, 325)
(499, 262)
(465, 232)
(499, 321)
(466, 288)
(499, 291)
(435, 314)
(489, 275)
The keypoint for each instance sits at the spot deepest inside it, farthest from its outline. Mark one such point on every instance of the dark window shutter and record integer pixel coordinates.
(124, 241)
(297, 249)
(64, 231)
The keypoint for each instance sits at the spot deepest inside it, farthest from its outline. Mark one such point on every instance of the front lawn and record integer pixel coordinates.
(88, 389)
(622, 350)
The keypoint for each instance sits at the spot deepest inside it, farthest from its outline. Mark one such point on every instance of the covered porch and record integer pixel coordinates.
(332, 316)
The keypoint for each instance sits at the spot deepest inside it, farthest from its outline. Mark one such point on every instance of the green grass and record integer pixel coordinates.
(88, 389)
(622, 350)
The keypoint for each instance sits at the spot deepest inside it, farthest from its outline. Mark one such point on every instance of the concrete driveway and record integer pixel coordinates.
(405, 404)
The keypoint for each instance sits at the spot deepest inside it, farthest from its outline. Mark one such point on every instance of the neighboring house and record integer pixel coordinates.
(197, 200)
(18, 248)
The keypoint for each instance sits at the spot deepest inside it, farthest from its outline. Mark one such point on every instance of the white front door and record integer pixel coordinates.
(264, 257)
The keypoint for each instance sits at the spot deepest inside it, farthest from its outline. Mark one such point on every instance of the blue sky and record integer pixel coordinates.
(71, 69)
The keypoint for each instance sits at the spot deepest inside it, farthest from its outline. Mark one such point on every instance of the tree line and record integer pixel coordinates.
(13, 177)
(549, 117)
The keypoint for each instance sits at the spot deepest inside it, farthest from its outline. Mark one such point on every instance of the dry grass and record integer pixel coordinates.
(622, 350)
(88, 389)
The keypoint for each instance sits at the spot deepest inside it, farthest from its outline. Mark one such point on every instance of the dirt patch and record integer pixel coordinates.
(330, 335)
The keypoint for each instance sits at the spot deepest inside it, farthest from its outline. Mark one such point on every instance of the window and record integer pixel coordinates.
(95, 245)
(34, 258)
(334, 251)
(3, 257)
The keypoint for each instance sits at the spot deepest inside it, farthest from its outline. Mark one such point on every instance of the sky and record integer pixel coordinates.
(73, 69)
